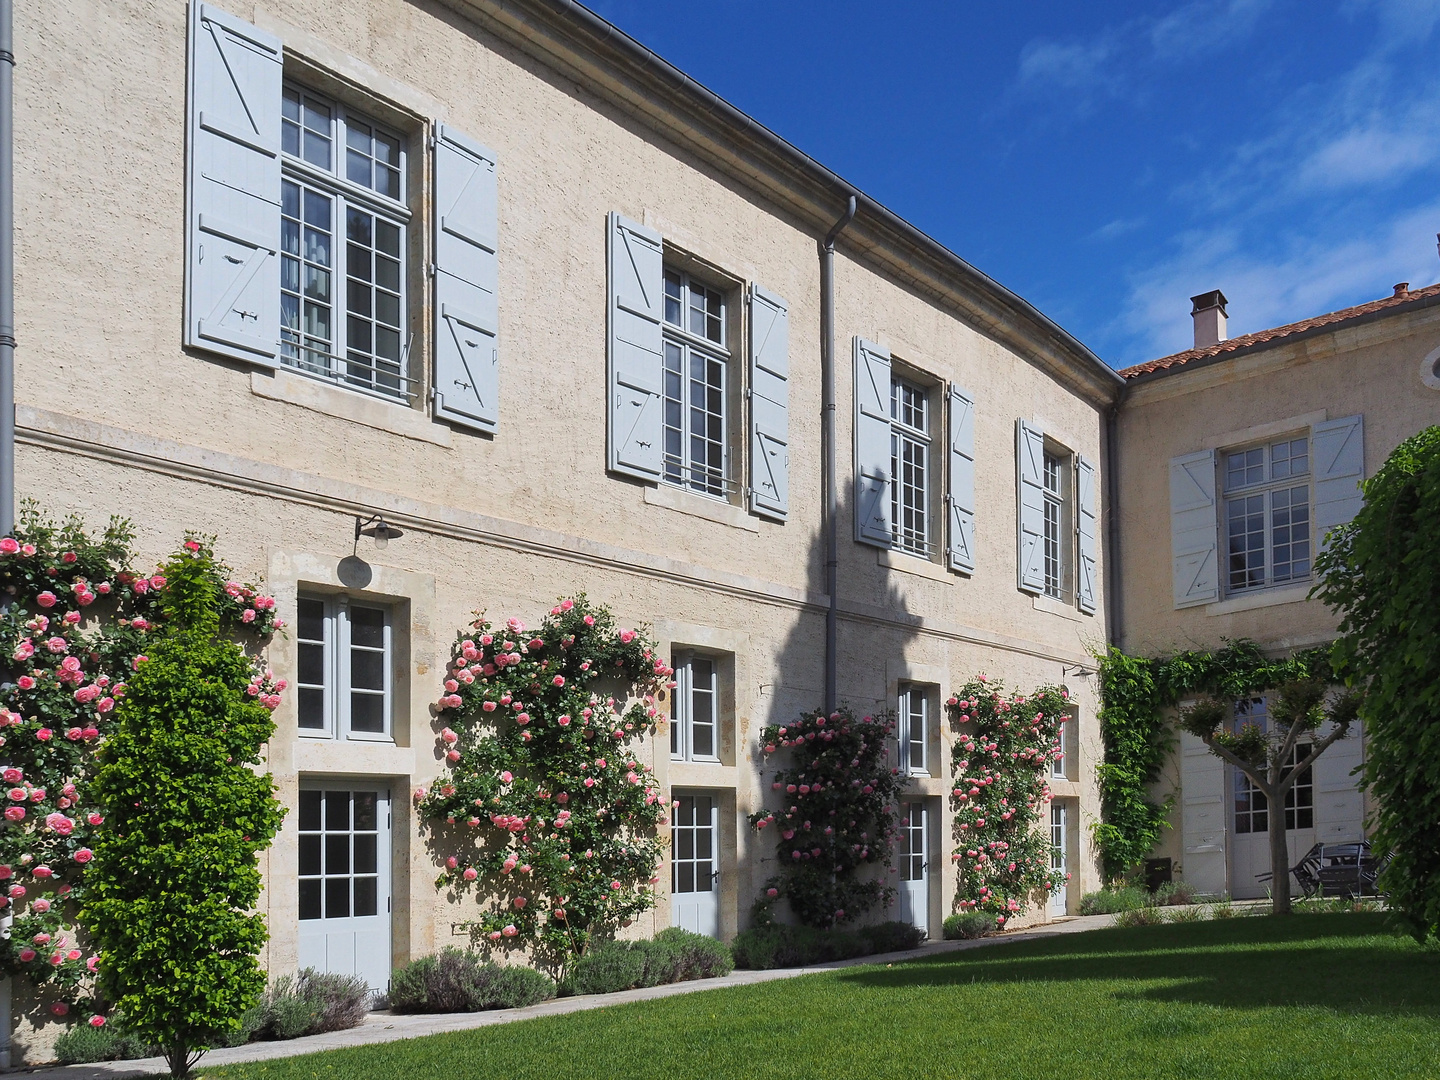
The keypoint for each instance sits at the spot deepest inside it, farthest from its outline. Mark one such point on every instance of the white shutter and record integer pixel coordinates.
(1085, 516)
(1339, 811)
(872, 444)
(769, 404)
(1030, 505)
(232, 228)
(1203, 813)
(467, 322)
(636, 362)
(960, 495)
(1337, 449)
(1196, 570)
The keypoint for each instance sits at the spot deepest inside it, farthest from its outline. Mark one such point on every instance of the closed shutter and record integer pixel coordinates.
(1338, 452)
(1203, 816)
(1196, 571)
(1085, 502)
(1339, 810)
(467, 321)
(872, 444)
(960, 495)
(636, 364)
(232, 230)
(769, 404)
(1030, 505)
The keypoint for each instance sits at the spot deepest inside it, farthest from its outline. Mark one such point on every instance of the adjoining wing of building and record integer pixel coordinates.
(498, 273)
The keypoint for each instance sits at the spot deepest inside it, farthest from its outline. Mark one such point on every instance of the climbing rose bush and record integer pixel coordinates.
(1001, 762)
(551, 815)
(835, 815)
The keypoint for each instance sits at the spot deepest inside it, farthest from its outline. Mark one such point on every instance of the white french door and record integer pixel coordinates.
(915, 866)
(344, 881)
(695, 865)
(1059, 855)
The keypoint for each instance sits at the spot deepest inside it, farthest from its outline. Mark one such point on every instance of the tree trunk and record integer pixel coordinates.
(179, 1058)
(1279, 857)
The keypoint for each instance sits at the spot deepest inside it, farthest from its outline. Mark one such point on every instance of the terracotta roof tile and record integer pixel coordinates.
(1279, 332)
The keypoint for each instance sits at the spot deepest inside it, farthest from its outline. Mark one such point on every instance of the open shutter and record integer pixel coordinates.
(1203, 814)
(637, 419)
(1196, 569)
(1085, 513)
(1337, 450)
(1030, 503)
(769, 404)
(467, 321)
(960, 495)
(1339, 810)
(232, 229)
(872, 444)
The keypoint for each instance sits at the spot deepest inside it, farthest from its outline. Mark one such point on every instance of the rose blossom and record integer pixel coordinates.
(470, 873)
(46, 599)
(97, 1021)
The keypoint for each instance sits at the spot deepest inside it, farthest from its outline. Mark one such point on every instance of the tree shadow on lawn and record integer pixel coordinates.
(1322, 961)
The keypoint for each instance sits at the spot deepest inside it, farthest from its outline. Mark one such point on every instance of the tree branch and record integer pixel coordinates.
(1262, 782)
(1316, 749)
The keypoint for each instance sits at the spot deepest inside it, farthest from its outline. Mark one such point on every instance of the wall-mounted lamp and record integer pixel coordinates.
(377, 528)
(1078, 671)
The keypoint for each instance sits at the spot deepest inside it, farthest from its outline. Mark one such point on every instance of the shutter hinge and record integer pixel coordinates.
(430, 269)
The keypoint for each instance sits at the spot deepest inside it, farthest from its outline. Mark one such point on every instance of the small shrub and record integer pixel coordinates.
(891, 937)
(1187, 914)
(457, 981)
(1175, 892)
(84, 1044)
(1112, 901)
(778, 946)
(968, 924)
(701, 957)
(308, 1004)
(1140, 916)
(1223, 910)
(608, 968)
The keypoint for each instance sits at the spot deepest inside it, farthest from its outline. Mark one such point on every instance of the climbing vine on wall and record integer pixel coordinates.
(551, 816)
(1135, 696)
(1001, 761)
(835, 816)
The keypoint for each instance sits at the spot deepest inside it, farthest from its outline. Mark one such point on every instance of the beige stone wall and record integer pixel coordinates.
(116, 417)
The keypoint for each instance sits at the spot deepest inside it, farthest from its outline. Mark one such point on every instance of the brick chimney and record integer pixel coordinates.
(1208, 311)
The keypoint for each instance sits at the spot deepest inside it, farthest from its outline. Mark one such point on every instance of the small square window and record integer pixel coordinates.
(344, 656)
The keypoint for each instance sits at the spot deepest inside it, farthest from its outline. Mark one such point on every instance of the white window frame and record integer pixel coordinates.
(906, 496)
(1057, 551)
(913, 706)
(682, 722)
(337, 688)
(336, 366)
(1068, 739)
(1301, 796)
(1266, 489)
(679, 468)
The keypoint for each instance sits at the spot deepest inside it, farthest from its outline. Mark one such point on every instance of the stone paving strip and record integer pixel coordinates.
(383, 1027)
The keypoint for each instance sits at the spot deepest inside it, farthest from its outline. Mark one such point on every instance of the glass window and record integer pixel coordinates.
(910, 467)
(342, 272)
(339, 854)
(1055, 488)
(1252, 811)
(344, 656)
(914, 730)
(696, 390)
(692, 845)
(1267, 515)
(913, 847)
(695, 705)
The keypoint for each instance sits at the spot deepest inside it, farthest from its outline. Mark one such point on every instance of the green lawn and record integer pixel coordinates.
(1311, 996)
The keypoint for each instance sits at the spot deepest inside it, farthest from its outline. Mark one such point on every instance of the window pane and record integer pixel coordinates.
(357, 168)
(311, 666)
(367, 670)
(367, 627)
(387, 237)
(310, 625)
(312, 708)
(367, 713)
(337, 854)
(310, 899)
(310, 855)
(685, 877)
(337, 898)
(366, 896)
(337, 811)
(310, 811)
(673, 298)
(364, 853)
(365, 811)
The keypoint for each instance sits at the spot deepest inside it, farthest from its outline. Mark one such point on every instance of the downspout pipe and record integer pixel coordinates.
(827, 446)
(1113, 580)
(7, 268)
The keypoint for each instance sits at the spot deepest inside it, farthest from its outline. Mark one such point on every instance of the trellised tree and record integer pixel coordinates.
(1299, 708)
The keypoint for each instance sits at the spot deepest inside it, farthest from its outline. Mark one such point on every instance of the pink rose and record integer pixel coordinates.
(42, 905)
(25, 682)
(26, 955)
(15, 813)
(506, 777)
(627, 636)
(41, 939)
(43, 872)
(46, 599)
(470, 873)
(94, 819)
(563, 721)
(27, 549)
(60, 1008)
(519, 903)
(97, 1021)
(44, 734)
(57, 644)
(772, 893)
(510, 930)
(84, 855)
(93, 963)
(558, 680)
(9, 545)
(12, 775)
(614, 884)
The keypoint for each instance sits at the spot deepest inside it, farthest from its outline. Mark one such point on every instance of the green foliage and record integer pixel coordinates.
(1140, 916)
(174, 884)
(836, 816)
(1381, 574)
(456, 981)
(1114, 899)
(85, 1043)
(777, 946)
(1001, 764)
(968, 924)
(310, 1003)
(1175, 892)
(674, 955)
(551, 813)
(1187, 915)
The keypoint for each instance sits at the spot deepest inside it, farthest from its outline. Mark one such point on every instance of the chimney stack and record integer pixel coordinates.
(1402, 289)
(1208, 311)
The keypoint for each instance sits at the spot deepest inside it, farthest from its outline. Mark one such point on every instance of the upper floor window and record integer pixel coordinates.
(910, 466)
(697, 373)
(913, 735)
(1267, 514)
(342, 235)
(1056, 490)
(695, 704)
(345, 656)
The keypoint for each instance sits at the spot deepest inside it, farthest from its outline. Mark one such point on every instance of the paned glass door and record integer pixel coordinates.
(695, 865)
(915, 865)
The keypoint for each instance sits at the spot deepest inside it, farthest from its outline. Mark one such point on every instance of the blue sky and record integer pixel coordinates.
(1109, 161)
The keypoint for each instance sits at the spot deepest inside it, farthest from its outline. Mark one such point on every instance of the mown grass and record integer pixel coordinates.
(1303, 998)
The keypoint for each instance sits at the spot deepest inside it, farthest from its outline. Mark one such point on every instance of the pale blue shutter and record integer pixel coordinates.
(467, 319)
(960, 495)
(769, 404)
(1337, 449)
(232, 230)
(872, 444)
(1085, 515)
(636, 365)
(1196, 569)
(1030, 505)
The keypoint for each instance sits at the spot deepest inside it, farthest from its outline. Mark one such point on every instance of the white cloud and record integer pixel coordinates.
(1369, 156)
(1072, 65)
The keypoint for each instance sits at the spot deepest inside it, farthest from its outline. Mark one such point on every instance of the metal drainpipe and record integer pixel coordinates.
(827, 441)
(7, 270)
(1113, 589)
